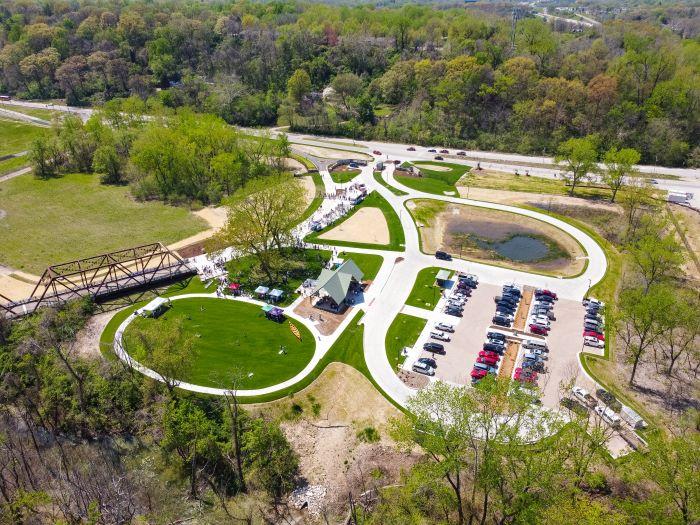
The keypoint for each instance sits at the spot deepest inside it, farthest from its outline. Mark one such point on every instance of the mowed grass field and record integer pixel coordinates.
(404, 331)
(424, 293)
(233, 336)
(57, 220)
(439, 181)
(17, 136)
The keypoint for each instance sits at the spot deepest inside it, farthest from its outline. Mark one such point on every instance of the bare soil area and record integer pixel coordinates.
(432, 167)
(367, 225)
(87, 341)
(453, 227)
(689, 221)
(330, 451)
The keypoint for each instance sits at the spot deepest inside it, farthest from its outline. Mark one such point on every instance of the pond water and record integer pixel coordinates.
(522, 248)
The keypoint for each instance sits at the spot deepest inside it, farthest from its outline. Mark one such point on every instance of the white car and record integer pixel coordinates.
(444, 327)
(440, 336)
(455, 298)
(539, 353)
(540, 319)
(608, 415)
(593, 341)
(424, 369)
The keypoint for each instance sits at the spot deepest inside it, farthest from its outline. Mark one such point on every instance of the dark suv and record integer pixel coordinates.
(443, 256)
(435, 348)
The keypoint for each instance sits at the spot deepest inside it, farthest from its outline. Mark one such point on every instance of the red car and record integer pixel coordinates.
(489, 354)
(410, 148)
(547, 292)
(525, 376)
(537, 329)
(377, 152)
(591, 333)
(487, 361)
(444, 151)
(478, 374)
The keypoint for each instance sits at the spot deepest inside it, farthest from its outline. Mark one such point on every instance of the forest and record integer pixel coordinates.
(461, 77)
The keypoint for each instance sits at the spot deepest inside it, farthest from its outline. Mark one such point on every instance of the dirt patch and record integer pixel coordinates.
(294, 165)
(87, 341)
(367, 225)
(473, 232)
(15, 289)
(432, 167)
(328, 153)
(215, 216)
(328, 446)
(689, 221)
(325, 322)
(309, 189)
(3, 214)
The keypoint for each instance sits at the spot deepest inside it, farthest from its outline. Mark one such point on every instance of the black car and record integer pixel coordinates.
(501, 310)
(428, 361)
(506, 305)
(470, 283)
(443, 256)
(509, 288)
(505, 298)
(501, 321)
(453, 312)
(545, 299)
(435, 348)
(432, 150)
(492, 347)
(496, 335)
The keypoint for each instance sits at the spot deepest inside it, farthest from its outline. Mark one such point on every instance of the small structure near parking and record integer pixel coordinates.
(154, 308)
(335, 288)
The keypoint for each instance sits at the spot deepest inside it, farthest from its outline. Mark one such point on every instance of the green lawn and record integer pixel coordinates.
(341, 176)
(74, 216)
(373, 200)
(511, 182)
(13, 164)
(18, 136)
(46, 114)
(378, 177)
(235, 336)
(404, 331)
(424, 293)
(433, 181)
(299, 266)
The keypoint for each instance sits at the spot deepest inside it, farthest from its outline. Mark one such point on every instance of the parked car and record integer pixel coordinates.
(606, 397)
(376, 152)
(512, 288)
(544, 306)
(482, 366)
(506, 306)
(590, 325)
(505, 299)
(545, 299)
(440, 336)
(422, 368)
(593, 317)
(461, 153)
(537, 366)
(499, 320)
(542, 291)
(525, 375)
(428, 361)
(496, 335)
(608, 415)
(435, 348)
(594, 333)
(455, 305)
(432, 150)
(589, 340)
(590, 301)
(410, 148)
(532, 344)
(491, 361)
(438, 157)
(445, 327)
(541, 319)
(505, 313)
(477, 374)
(537, 329)
(454, 312)
(443, 256)
(493, 347)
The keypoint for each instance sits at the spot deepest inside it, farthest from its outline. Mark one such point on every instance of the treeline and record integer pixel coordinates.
(176, 157)
(452, 76)
(89, 440)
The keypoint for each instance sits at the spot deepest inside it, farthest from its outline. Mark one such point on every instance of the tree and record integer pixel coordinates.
(619, 165)
(168, 350)
(578, 158)
(347, 85)
(639, 321)
(298, 86)
(261, 218)
(681, 329)
(657, 256)
(45, 157)
(270, 457)
(667, 478)
(638, 197)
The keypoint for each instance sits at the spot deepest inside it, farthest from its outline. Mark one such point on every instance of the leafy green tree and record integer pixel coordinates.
(657, 256)
(298, 86)
(45, 157)
(261, 217)
(270, 458)
(578, 158)
(346, 86)
(619, 166)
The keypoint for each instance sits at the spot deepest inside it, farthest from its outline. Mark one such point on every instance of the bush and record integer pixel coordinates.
(368, 435)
